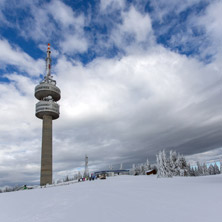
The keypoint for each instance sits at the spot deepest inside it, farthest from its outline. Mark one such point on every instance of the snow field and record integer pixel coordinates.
(119, 199)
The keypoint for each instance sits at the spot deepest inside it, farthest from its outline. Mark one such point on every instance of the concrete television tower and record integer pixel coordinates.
(47, 109)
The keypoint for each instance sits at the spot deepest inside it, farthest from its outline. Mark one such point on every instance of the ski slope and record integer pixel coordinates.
(119, 199)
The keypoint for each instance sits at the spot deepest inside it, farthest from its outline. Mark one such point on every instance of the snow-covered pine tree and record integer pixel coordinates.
(190, 170)
(199, 169)
(196, 172)
(182, 165)
(66, 179)
(216, 169)
(160, 172)
(142, 169)
(147, 165)
(132, 170)
(137, 170)
(163, 165)
(174, 163)
(205, 169)
(211, 169)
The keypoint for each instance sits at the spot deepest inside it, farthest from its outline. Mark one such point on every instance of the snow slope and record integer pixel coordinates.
(119, 199)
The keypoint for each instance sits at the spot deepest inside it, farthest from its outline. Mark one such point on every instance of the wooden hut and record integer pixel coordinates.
(150, 172)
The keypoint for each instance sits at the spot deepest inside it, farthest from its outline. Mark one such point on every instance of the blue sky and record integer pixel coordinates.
(136, 77)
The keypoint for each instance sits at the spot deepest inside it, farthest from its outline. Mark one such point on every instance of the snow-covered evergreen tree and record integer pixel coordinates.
(205, 171)
(141, 169)
(216, 169)
(66, 179)
(137, 169)
(132, 170)
(182, 165)
(163, 165)
(147, 165)
(174, 163)
(191, 170)
(211, 169)
(199, 169)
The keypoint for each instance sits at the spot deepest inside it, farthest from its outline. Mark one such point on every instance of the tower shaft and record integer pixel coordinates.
(46, 160)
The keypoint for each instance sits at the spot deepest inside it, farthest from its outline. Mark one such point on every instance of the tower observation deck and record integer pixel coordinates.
(47, 109)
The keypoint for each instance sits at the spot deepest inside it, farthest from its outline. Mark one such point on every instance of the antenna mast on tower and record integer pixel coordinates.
(86, 173)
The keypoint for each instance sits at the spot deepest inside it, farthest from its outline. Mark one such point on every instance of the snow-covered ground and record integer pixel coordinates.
(119, 199)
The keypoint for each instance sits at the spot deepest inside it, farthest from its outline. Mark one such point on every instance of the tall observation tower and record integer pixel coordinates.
(47, 109)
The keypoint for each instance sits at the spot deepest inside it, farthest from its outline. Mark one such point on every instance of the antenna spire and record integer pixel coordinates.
(86, 172)
(48, 62)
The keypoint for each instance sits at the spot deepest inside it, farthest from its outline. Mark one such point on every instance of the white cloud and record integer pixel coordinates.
(137, 98)
(162, 8)
(2, 16)
(71, 26)
(17, 103)
(208, 156)
(212, 21)
(14, 56)
(74, 40)
(110, 5)
(19, 131)
(136, 23)
(196, 33)
(135, 28)
(56, 20)
(62, 13)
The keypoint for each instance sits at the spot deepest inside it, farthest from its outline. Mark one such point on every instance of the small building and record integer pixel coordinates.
(150, 172)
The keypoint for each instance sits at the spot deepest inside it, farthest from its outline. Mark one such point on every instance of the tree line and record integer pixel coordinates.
(174, 164)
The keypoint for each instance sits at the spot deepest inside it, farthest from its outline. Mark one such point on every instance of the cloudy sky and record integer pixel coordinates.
(136, 76)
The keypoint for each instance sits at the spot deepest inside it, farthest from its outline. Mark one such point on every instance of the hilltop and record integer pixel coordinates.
(119, 199)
